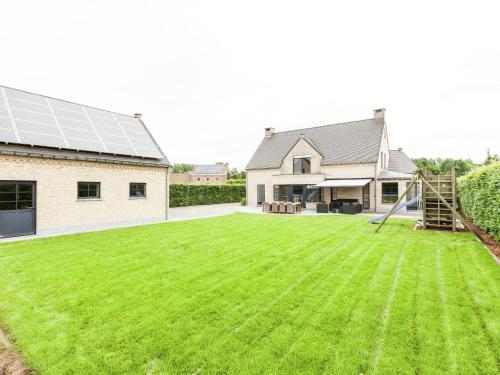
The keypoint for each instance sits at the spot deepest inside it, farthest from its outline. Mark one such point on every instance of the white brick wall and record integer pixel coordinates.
(57, 204)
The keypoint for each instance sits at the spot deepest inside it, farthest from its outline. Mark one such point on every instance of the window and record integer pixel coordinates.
(334, 193)
(366, 197)
(313, 194)
(16, 196)
(137, 190)
(280, 193)
(261, 194)
(301, 165)
(208, 179)
(89, 190)
(389, 192)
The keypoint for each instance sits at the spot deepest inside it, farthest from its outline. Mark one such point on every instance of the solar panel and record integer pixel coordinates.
(36, 120)
(209, 169)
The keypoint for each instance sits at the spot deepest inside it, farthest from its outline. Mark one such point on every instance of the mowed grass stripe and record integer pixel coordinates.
(477, 299)
(443, 299)
(313, 331)
(472, 345)
(308, 294)
(355, 342)
(296, 314)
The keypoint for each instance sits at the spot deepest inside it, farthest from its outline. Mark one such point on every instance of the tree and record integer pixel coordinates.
(442, 166)
(491, 158)
(234, 174)
(182, 168)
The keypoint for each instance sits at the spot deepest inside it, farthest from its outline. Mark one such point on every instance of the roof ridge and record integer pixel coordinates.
(322, 126)
(67, 101)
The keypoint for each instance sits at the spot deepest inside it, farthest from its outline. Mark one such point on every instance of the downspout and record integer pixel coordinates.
(167, 200)
(246, 190)
(375, 188)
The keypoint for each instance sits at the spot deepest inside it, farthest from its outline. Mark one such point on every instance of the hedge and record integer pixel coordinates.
(194, 195)
(480, 197)
(235, 181)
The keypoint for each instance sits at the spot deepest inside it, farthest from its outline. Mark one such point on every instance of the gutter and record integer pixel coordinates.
(79, 158)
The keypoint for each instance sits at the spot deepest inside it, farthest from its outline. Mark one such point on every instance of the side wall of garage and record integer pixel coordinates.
(56, 182)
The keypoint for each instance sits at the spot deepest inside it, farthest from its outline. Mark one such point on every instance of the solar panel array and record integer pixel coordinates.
(37, 120)
(209, 169)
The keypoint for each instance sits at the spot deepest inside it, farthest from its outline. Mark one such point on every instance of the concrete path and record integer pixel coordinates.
(199, 212)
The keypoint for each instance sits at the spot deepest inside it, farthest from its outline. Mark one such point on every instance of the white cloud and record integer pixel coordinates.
(209, 76)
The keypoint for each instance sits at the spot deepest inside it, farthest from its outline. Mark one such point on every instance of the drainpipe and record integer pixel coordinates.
(167, 199)
(375, 188)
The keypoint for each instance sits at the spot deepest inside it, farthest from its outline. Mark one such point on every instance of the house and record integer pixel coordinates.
(349, 160)
(212, 174)
(67, 167)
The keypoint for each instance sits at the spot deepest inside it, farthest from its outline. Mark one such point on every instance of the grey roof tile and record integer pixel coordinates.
(400, 162)
(345, 143)
(390, 175)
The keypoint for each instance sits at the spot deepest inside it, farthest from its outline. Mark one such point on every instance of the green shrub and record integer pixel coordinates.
(243, 201)
(194, 195)
(480, 196)
(235, 181)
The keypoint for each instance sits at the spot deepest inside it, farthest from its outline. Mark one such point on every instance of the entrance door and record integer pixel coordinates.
(261, 194)
(412, 193)
(17, 208)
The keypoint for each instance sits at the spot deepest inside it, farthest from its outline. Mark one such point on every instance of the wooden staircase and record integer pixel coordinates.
(435, 212)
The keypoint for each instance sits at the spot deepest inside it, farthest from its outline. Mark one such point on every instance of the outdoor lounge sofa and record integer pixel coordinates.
(322, 208)
(351, 208)
(337, 205)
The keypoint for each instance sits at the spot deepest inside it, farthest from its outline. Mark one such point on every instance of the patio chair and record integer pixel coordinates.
(266, 207)
(290, 209)
(274, 207)
(282, 208)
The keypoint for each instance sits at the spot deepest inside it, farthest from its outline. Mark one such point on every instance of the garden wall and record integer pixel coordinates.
(195, 195)
(480, 198)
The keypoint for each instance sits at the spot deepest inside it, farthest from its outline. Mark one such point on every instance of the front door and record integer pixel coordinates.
(17, 208)
(261, 194)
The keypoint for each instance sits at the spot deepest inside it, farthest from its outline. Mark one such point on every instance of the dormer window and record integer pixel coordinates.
(302, 165)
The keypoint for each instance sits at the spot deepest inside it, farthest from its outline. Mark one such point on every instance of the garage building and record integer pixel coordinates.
(65, 167)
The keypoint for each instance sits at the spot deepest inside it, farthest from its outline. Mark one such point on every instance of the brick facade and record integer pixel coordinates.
(56, 191)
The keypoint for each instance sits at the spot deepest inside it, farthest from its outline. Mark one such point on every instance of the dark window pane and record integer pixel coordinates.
(297, 163)
(24, 196)
(6, 197)
(89, 190)
(306, 165)
(7, 205)
(301, 165)
(389, 192)
(137, 190)
(22, 205)
(313, 194)
(26, 188)
(7, 188)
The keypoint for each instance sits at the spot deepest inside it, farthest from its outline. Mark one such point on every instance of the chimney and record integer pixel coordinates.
(138, 116)
(379, 113)
(269, 132)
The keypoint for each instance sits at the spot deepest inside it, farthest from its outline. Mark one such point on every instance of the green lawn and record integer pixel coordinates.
(254, 294)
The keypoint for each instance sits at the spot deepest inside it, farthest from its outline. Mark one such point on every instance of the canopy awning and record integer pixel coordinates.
(344, 183)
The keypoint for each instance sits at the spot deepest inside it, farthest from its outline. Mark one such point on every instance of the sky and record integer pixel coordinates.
(209, 76)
